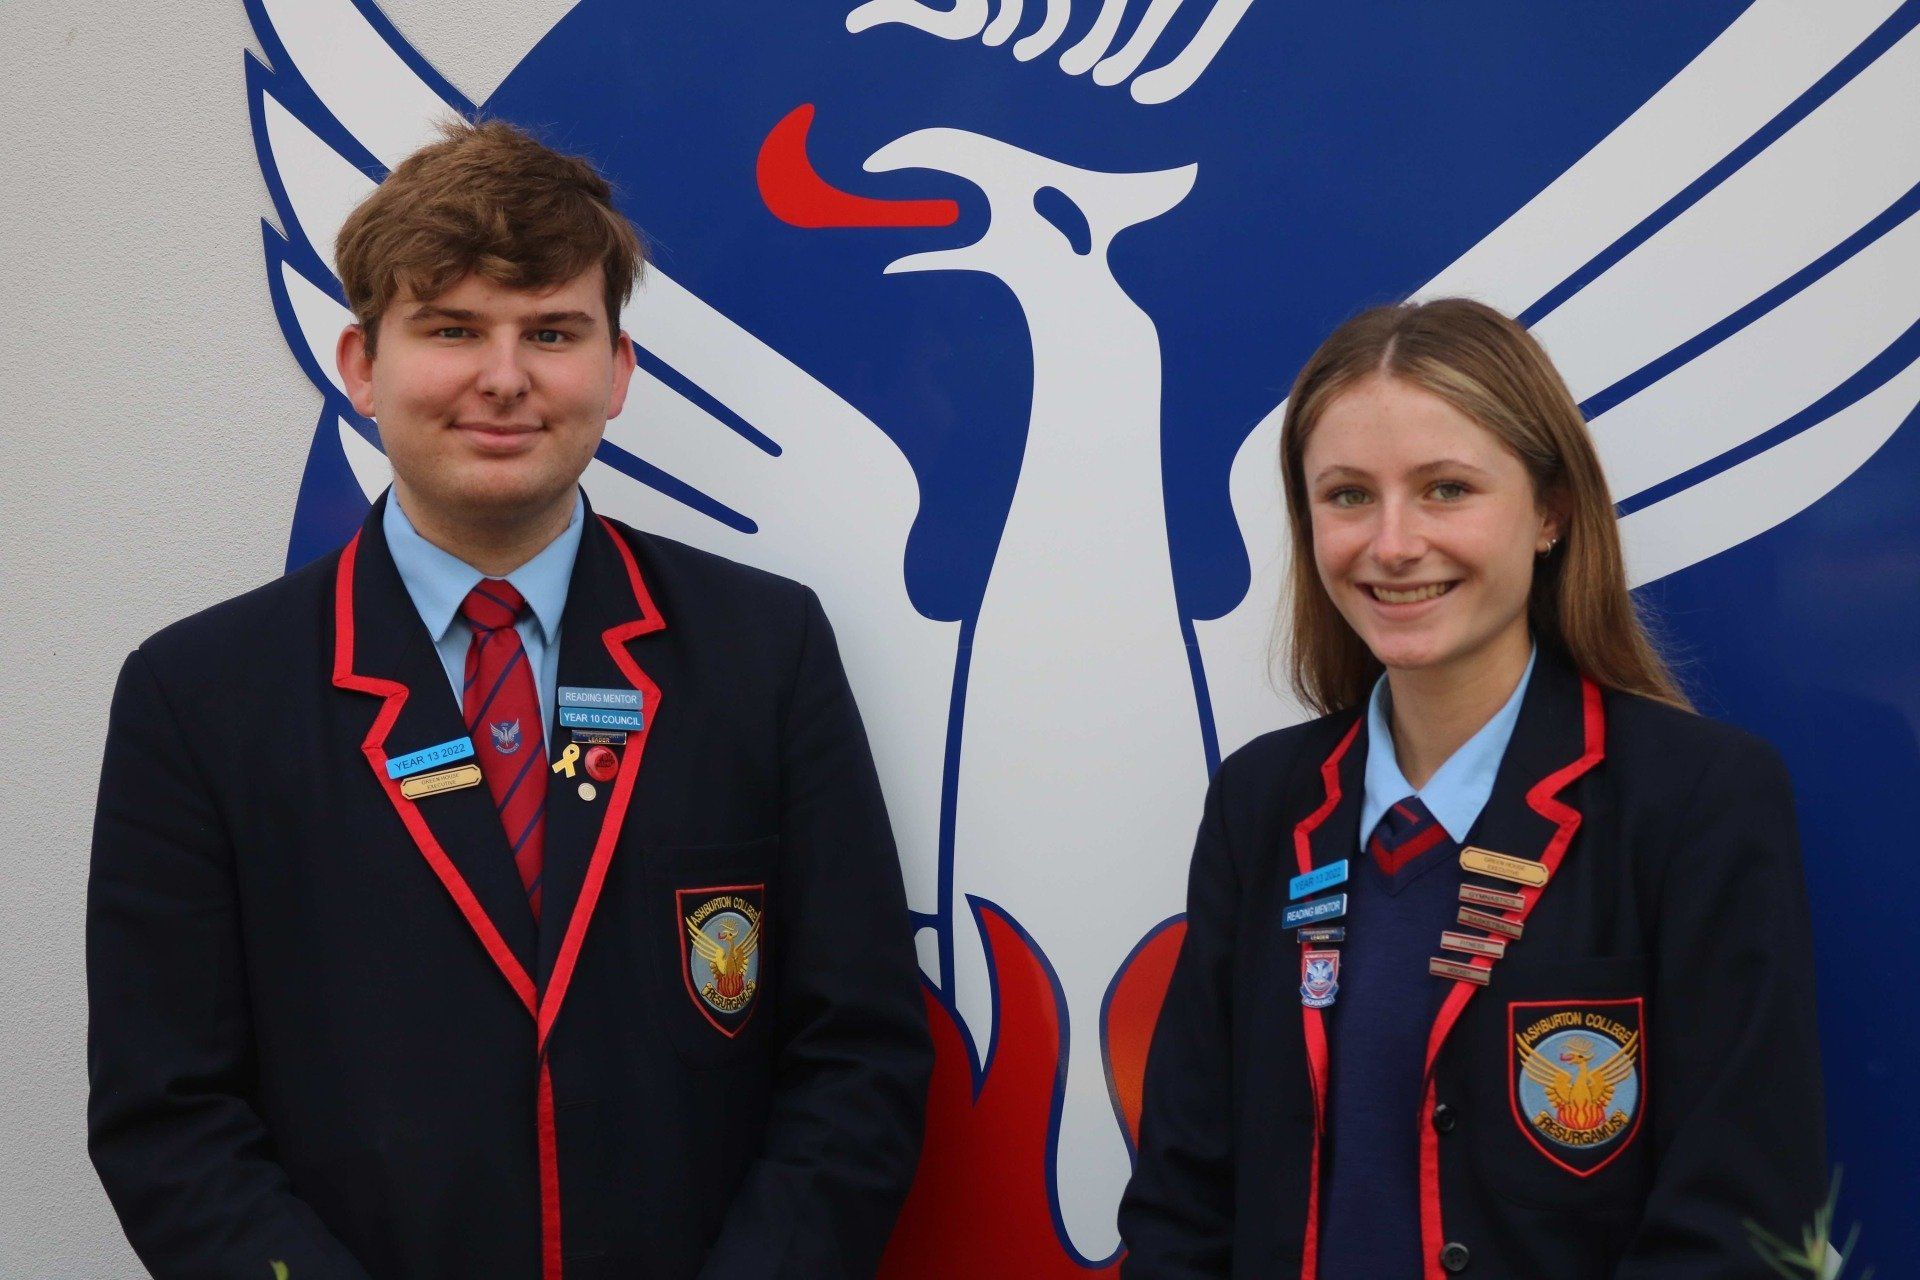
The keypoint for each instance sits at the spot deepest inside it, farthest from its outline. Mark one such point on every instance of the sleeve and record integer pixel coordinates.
(853, 1057)
(1733, 1058)
(1176, 1218)
(183, 1155)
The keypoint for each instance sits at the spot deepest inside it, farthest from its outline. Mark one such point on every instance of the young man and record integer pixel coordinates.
(508, 894)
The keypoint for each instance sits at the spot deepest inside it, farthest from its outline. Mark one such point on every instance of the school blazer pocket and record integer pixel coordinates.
(1560, 1083)
(714, 945)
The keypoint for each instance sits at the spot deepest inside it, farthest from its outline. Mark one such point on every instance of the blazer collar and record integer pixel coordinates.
(1551, 745)
(381, 648)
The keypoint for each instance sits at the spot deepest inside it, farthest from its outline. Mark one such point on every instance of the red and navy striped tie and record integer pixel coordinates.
(503, 717)
(1404, 832)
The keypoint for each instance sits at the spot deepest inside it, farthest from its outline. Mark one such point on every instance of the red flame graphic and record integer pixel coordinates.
(981, 1205)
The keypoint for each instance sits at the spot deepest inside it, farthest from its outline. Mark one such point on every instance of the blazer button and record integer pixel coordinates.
(1444, 1118)
(1454, 1257)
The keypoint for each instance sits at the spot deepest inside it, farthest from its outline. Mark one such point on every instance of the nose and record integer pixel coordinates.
(503, 372)
(1398, 540)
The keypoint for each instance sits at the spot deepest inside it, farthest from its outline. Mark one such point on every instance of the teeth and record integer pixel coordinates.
(1389, 596)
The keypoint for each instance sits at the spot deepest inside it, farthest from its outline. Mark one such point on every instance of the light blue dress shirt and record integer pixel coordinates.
(438, 581)
(1458, 789)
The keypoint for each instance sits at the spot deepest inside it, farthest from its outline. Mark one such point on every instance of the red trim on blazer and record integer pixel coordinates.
(1312, 1022)
(546, 1008)
(550, 1255)
(1544, 799)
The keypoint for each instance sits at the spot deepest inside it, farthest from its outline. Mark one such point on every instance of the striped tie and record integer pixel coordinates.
(503, 717)
(1405, 832)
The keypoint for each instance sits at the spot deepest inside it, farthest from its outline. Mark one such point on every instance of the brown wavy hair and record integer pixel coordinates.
(488, 199)
(1489, 368)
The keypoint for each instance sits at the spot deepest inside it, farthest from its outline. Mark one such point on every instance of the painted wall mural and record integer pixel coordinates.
(978, 317)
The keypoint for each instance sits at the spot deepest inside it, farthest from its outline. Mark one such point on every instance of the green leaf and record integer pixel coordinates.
(279, 1270)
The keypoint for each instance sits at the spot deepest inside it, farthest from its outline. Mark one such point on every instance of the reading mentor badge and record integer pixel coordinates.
(1577, 1077)
(721, 951)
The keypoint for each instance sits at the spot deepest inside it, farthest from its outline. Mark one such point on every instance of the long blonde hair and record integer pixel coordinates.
(1490, 369)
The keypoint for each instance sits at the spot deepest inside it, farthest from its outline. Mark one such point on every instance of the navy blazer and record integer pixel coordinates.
(327, 1030)
(1674, 920)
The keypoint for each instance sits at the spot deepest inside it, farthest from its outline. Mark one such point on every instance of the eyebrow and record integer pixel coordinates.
(1425, 468)
(433, 311)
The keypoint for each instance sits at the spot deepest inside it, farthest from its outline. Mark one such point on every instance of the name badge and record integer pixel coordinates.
(1503, 867)
(1319, 878)
(427, 757)
(605, 699)
(595, 718)
(1313, 912)
(457, 778)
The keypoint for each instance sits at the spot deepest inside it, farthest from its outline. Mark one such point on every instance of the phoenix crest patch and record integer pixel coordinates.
(720, 953)
(1577, 1078)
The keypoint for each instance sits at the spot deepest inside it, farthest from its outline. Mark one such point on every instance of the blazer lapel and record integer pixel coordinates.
(608, 609)
(1327, 833)
(382, 649)
(1561, 734)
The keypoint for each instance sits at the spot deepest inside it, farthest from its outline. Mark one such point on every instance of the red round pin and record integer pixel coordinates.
(602, 763)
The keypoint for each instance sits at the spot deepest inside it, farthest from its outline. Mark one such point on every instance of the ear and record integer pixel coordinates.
(623, 362)
(355, 362)
(1556, 513)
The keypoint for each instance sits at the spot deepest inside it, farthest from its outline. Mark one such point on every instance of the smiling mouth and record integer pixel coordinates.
(1408, 595)
(496, 428)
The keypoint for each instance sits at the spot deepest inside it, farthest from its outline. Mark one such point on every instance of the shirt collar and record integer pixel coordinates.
(438, 581)
(1460, 788)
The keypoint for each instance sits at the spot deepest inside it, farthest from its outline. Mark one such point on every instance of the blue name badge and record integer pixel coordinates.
(592, 718)
(1319, 878)
(1314, 912)
(604, 699)
(427, 757)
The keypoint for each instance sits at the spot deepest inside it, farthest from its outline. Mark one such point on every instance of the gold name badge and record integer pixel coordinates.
(421, 785)
(1462, 972)
(1501, 867)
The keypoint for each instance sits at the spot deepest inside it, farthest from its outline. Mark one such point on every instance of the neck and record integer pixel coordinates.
(496, 544)
(1435, 710)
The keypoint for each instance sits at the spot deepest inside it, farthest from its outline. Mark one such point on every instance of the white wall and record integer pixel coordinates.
(155, 430)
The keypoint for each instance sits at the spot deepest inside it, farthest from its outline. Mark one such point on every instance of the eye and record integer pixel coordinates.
(453, 331)
(1345, 496)
(1449, 491)
(550, 337)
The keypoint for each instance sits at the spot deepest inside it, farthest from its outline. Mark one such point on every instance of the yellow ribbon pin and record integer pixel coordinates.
(568, 758)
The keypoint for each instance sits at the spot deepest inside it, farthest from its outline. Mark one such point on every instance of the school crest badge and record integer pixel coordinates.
(1319, 978)
(1578, 1078)
(506, 736)
(721, 954)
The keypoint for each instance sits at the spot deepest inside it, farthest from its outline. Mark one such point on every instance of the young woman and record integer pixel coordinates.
(1502, 967)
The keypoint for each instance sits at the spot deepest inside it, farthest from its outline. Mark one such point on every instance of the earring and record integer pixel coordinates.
(1547, 550)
